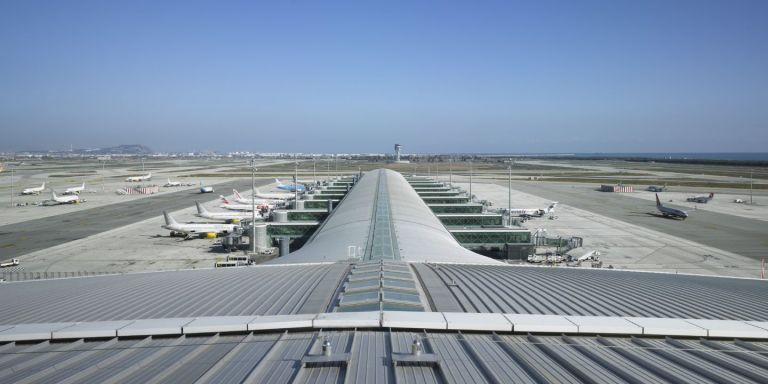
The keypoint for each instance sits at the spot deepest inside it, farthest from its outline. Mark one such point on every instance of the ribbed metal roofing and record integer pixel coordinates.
(385, 357)
(570, 291)
(383, 217)
(213, 292)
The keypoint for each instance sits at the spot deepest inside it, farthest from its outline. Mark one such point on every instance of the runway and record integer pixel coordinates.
(28, 236)
(743, 236)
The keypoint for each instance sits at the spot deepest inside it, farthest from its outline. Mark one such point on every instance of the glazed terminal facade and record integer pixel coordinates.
(383, 293)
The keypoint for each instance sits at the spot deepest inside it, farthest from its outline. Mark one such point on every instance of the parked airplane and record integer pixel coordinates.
(172, 183)
(532, 212)
(242, 200)
(204, 229)
(670, 212)
(655, 188)
(243, 207)
(703, 199)
(74, 190)
(34, 191)
(146, 177)
(230, 217)
(70, 199)
(274, 195)
(290, 187)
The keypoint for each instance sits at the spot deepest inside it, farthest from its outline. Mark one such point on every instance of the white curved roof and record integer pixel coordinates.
(383, 217)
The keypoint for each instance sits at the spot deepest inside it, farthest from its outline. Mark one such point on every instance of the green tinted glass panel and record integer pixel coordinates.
(401, 307)
(402, 284)
(363, 284)
(359, 308)
(400, 296)
(364, 276)
(349, 298)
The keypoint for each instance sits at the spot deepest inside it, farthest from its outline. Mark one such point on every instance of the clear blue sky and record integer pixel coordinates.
(358, 76)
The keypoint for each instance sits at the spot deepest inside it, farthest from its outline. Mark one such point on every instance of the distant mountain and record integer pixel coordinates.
(125, 149)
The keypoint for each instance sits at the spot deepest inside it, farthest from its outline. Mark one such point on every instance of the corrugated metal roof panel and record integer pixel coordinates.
(261, 290)
(477, 357)
(585, 292)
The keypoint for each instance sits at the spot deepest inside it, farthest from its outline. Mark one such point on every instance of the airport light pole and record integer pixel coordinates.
(103, 165)
(751, 180)
(509, 200)
(450, 171)
(470, 181)
(328, 172)
(11, 185)
(314, 170)
(253, 205)
(296, 186)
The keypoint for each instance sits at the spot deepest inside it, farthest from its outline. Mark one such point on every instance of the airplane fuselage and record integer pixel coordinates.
(200, 228)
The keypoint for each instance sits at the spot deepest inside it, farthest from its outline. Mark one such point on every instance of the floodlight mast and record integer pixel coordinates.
(253, 204)
(11, 185)
(509, 187)
(470, 181)
(103, 164)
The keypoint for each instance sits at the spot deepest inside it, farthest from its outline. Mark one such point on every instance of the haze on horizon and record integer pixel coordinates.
(554, 76)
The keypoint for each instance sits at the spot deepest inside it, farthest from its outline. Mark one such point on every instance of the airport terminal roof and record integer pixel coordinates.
(312, 288)
(385, 356)
(383, 217)
(475, 319)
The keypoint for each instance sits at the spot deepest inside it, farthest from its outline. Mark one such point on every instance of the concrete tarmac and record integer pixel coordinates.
(743, 236)
(28, 236)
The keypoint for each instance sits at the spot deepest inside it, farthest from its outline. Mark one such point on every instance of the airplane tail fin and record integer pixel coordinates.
(551, 207)
(169, 219)
(278, 182)
(53, 194)
(224, 199)
(236, 193)
(658, 202)
(200, 209)
(711, 195)
(42, 186)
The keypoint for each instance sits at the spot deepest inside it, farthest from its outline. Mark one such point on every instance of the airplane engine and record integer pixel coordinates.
(210, 235)
(234, 220)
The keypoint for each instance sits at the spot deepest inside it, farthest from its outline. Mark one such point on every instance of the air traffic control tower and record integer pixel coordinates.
(382, 293)
(397, 158)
